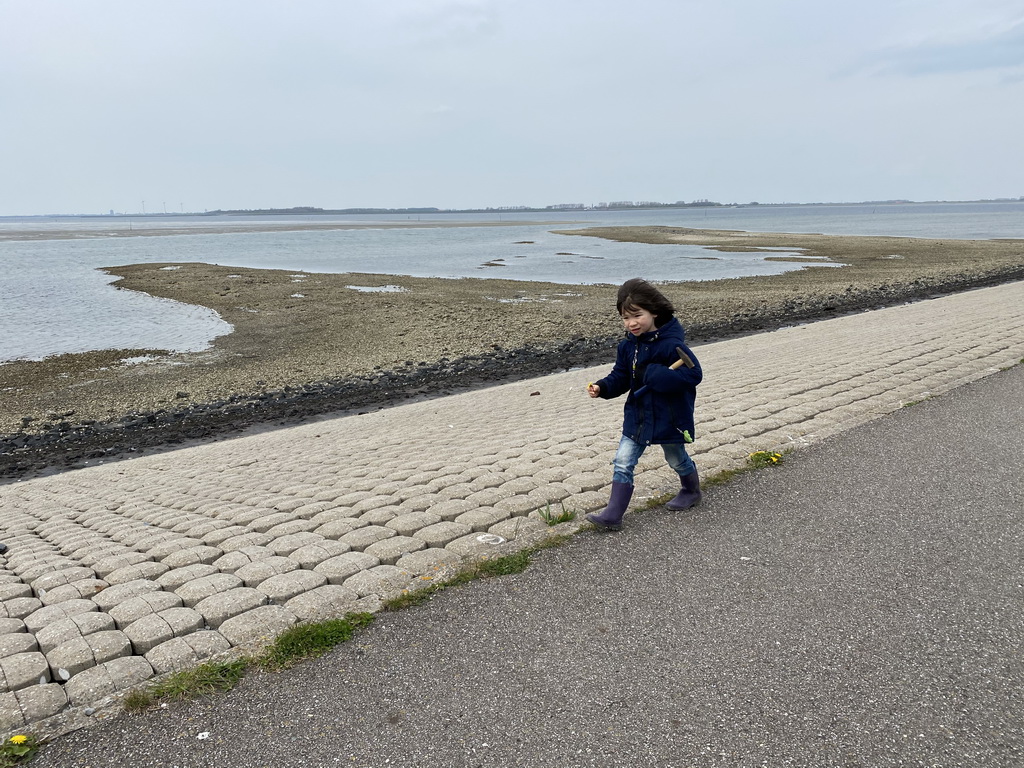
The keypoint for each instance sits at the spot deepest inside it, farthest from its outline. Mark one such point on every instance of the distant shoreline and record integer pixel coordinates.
(563, 208)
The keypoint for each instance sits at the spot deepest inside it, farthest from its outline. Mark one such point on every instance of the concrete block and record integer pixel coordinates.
(389, 550)
(290, 527)
(244, 540)
(199, 554)
(74, 656)
(76, 590)
(195, 591)
(342, 567)
(361, 538)
(169, 545)
(19, 642)
(474, 545)
(107, 679)
(265, 522)
(11, 717)
(23, 669)
(312, 555)
(254, 573)
(218, 608)
(15, 589)
(336, 529)
(119, 593)
(183, 652)
(381, 580)
(517, 506)
(515, 527)
(108, 565)
(382, 515)
(442, 533)
(285, 545)
(125, 613)
(258, 625)
(38, 702)
(52, 635)
(19, 607)
(156, 628)
(43, 617)
(147, 569)
(176, 577)
(479, 520)
(9, 626)
(427, 562)
(283, 587)
(330, 601)
(407, 525)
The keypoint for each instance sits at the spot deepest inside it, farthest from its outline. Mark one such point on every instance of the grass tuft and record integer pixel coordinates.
(552, 518)
(204, 680)
(307, 641)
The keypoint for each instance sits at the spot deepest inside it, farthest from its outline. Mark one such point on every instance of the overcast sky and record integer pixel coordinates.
(205, 104)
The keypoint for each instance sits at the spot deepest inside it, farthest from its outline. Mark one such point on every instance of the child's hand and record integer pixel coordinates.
(593, 390)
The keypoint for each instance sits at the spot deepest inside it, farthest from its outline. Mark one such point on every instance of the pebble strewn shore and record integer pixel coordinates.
(335, 348)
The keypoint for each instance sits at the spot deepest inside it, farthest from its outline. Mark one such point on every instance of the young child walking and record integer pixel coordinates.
(659, 404)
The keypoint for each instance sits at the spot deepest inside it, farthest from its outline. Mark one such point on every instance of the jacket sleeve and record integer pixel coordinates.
(618, 381)
(664, 380)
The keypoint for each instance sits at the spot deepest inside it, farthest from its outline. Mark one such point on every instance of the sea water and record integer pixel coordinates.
(54, 299)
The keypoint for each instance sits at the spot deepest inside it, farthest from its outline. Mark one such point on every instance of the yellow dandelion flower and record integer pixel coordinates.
(19, 739)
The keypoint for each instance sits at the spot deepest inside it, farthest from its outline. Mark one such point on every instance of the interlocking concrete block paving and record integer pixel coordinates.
(75, 590)
(389, 550)
(125, 613)
(326, 602)
(197, 554)
(119, 593)
(361, 538)
(176, 577)
(193, 592)
(253, 574)
(23, 669)
(17, 642)
(184, 652)
(258, 625)
(442, 533)
(74, 656)
(220, 607)
(19, 607)
(73, 627)
(283, 587)
(384, 580)
(43, 617)
(149, 631)
(312, 555)
(62, 577)
(343, 567)
(145, 570)
(107, 679)
(285, 545)
(428, 561)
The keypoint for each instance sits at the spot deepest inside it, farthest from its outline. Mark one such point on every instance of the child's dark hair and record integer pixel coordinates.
(639, 294)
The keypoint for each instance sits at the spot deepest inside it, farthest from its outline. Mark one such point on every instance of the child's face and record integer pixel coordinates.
(637, 321)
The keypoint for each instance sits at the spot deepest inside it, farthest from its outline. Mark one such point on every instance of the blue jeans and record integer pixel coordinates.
(629, 454)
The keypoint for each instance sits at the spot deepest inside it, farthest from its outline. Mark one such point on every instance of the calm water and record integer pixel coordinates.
(54, 300)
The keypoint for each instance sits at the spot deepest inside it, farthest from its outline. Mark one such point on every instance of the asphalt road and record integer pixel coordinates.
(860, 605)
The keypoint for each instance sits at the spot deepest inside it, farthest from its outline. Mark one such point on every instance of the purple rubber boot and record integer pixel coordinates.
(689, 496)
(610, 518)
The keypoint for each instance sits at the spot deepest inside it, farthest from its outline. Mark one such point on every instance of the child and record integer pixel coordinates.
(662, 413)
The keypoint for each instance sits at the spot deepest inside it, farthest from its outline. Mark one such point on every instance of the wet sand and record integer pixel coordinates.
(337, 348)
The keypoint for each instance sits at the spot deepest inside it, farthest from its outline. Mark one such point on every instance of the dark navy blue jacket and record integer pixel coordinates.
(664, 411)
